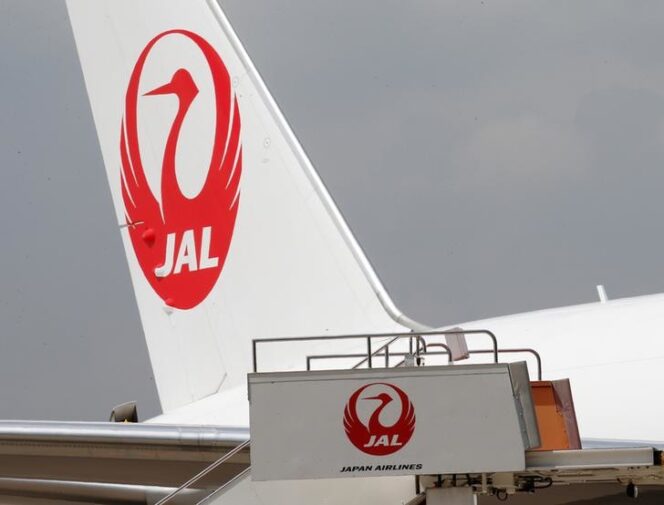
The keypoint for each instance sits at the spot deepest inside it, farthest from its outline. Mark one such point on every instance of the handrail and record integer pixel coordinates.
(204, 472)
(419, 335)
(515, 350)
(226, 485)
(447, 352)
(450, 358)
(358, 355)
(386, 347)
(375, 353)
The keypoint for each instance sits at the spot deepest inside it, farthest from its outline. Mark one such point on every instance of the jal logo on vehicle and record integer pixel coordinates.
(181, 162)
(379, 419)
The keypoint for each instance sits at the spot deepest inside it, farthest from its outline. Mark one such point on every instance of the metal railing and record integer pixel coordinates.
(222, 489)
(517, 350)
(205, 472)
(446, 352)
(369, 338)
(387, 356)
(418, 347)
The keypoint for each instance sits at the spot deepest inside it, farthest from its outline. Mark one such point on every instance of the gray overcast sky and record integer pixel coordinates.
(492, 157)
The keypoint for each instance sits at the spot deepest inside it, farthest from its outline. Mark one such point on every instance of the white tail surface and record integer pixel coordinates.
(229, 233)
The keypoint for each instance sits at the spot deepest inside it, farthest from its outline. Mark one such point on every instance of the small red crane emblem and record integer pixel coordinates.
(374, 437)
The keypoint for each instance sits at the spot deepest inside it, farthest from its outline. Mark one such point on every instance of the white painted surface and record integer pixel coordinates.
(292, 269)
(381, 490)
(613, 354)
(466, 421)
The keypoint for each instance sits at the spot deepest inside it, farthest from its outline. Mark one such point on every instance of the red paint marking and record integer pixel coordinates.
(375, 438)
(209, 216)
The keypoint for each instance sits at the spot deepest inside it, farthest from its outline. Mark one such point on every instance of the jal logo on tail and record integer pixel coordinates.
(181, 238)
(377, 436)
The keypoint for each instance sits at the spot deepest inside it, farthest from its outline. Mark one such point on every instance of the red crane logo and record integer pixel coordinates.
(374, 437)
(181, 242)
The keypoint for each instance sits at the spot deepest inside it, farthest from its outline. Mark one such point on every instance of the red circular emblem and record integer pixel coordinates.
(181, 243)
(374, 437)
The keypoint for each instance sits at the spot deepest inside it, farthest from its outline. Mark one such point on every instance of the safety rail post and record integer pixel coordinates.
(420, 340)
(450, 358)
(377, 352)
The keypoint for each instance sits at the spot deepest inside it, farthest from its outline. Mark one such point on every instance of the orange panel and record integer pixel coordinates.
(556, 418)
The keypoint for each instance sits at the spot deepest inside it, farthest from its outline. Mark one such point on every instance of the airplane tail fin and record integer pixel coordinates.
(229, 233)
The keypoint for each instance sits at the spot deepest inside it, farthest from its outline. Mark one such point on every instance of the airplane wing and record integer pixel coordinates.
(111, 462)
(145, 463)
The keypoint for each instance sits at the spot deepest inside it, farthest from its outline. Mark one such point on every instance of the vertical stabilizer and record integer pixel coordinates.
(228, 231)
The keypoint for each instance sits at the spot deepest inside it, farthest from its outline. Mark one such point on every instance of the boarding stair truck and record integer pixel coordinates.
(410, 422)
